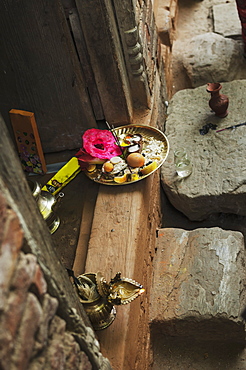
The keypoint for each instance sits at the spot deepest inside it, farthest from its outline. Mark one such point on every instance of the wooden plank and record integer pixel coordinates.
(85, 63)
(122, 239)
(90, 191)
(42, 73)
(127, 23)
(105, 51)
(28, 141)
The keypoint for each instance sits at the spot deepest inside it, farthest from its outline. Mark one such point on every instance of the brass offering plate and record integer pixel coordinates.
(155, 146)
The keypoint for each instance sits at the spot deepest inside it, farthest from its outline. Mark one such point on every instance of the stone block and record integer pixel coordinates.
(226, 20)
(164, 26)
(166, 15)
(210, 57)
(218, 180)
(198, 284)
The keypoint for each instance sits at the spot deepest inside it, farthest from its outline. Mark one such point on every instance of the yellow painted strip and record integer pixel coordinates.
(63, 176)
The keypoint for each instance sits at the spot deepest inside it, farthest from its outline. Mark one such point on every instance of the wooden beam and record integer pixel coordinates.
(123, 239)
(105, 51)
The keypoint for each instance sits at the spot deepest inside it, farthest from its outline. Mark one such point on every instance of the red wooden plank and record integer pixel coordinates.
(28, 141)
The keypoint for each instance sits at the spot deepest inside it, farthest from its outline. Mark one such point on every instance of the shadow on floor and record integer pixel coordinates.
(171, 217)
(176, 354)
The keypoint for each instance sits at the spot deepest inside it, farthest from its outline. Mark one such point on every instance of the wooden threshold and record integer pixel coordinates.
(122, 239)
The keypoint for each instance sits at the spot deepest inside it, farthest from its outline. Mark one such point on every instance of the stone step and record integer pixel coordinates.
(198, 285)
(211, 57)
(218, 180)
(226, 20)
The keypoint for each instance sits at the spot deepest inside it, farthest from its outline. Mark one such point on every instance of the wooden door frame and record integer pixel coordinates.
(105, 52)
(129, 31)
(115, 51)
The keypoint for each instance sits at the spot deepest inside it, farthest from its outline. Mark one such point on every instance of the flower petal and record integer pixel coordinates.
(100, 144)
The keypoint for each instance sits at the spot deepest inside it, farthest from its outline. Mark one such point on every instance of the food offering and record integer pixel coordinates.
(122, 155)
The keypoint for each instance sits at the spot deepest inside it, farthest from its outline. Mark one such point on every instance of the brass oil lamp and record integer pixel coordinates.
(99, 297)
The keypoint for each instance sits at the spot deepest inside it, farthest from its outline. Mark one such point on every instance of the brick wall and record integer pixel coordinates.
(157, 26)
(32, 335)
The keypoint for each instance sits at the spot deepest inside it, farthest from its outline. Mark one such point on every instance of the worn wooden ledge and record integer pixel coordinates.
(122, 239)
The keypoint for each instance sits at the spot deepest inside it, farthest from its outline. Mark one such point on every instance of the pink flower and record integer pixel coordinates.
(100, 144)
(83, 156)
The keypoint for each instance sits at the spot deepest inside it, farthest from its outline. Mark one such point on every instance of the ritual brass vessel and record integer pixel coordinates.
(35, 188)
(99, 297)
(46, 202)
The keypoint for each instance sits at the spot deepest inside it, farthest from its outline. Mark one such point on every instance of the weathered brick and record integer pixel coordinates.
(55, 353)
(84, 363)
(63, 352)
(198, 286)
(72, 350)
(49, 307)
(6, 348)
(38, 363)
(13, 234)
(39, 281)
(11, 237)
(58, 326)
(55, 356)
(15, 305)
(226, 20)
(25, 272)
(25, 339)
(3, 215)
(75, 358)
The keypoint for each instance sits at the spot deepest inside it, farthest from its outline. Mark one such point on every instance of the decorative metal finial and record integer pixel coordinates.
(98, 296)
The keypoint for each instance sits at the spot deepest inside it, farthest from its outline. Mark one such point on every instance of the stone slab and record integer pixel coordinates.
(218, 180)
(226, 20)
(210, 57)
(198, 284)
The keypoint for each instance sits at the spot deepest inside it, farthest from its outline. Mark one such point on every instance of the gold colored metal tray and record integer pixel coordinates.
(148, 134)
